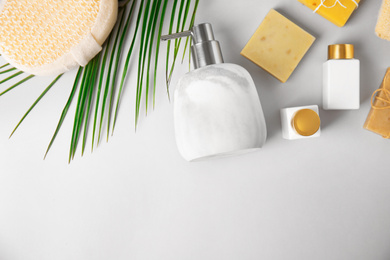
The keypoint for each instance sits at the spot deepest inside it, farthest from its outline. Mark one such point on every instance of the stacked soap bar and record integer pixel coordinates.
(278, 45)
(336, 11)
(378, 120)
(382, 28)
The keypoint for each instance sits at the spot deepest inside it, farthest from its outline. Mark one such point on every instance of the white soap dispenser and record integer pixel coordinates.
(217, 111)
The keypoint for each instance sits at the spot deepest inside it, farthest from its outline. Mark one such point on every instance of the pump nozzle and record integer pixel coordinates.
(205, 49)
(176, 35)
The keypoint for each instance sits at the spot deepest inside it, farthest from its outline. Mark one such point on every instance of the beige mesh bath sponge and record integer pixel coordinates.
(383, 25)
(48, 37)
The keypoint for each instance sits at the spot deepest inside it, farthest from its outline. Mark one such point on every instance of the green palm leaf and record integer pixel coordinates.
(16, 84)
(107, 86)
(125, 26)
(7, 70)
(171, 24)
(163, 11)
(11, 77)
(65, 110)
(97, 82)
(127, 62)
(101, 77)
(152, 29)
(36, 102)
(3, 66)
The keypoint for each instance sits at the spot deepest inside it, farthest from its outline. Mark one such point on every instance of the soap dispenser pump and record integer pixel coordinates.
(217, 111)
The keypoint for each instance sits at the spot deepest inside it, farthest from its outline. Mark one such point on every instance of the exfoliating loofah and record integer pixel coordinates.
(383, 25)
(49, 37)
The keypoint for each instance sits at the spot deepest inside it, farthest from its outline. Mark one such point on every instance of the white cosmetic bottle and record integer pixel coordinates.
(341, 86)
(217, 111)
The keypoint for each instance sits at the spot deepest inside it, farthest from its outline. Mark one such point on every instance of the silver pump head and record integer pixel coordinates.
(205, 49)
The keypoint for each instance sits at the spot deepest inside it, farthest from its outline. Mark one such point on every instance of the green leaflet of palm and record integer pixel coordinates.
(94, 76)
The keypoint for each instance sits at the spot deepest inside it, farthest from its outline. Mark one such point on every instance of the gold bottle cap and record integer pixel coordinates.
(340, 51)
(306, 122)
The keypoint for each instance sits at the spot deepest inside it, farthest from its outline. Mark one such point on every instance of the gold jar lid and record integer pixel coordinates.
(340, 51)
(306, 122)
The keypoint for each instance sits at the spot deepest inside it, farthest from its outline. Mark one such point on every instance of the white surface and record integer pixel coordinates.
(287, 115)
(136, 198)
(341, 88)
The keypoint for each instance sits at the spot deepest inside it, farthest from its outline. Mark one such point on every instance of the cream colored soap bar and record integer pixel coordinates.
(278, 45)
(335, 11)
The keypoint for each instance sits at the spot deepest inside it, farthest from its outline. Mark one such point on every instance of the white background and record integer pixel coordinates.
(136, 198)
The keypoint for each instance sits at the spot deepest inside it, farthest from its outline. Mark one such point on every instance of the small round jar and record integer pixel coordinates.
(300, 122)
(306, 122)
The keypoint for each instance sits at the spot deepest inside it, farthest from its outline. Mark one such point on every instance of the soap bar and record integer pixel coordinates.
(336, 11)
(382, 28)
(378, 120)
(278, 45)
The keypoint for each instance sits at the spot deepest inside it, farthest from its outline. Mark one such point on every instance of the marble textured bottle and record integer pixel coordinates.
(217, 111)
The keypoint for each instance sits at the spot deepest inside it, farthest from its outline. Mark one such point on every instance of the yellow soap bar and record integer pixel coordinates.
(378, 120)
(278, 45)
(336, 11)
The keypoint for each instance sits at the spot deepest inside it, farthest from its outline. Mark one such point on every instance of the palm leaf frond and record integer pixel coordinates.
(3, 66)
(7, 70)
(100, 84)
(79, 110)
(97, 82)
(188, 38)
(141, 60)
(152, 29)
(127, 62)
(11, 77)
(17, 84)
(124, 27)
(65, 110)
(36, 102)
(108, 77)
(171, 24)
(122, 38)
(183, 10)
(163, 11)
